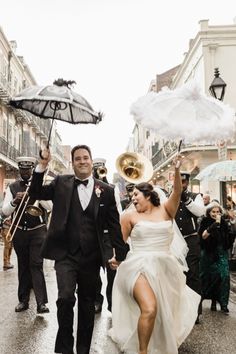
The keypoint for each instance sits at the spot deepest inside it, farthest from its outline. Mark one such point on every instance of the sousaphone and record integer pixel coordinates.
(134, 168)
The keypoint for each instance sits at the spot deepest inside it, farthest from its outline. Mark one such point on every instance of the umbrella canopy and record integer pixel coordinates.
(56, 101)
(219, 171)
(185, 113)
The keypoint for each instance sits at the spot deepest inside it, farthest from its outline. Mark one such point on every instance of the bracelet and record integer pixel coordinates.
(13, 205)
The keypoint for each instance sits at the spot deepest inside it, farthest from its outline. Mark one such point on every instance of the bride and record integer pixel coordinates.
(153, 309)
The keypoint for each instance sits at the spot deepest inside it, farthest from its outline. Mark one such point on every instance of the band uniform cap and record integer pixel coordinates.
(26, 162)
(185, 175)
(130, 187)
(99, 162)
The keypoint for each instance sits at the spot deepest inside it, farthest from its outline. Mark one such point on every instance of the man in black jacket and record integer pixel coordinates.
(28, 238)
(82, 208)
(191, 207)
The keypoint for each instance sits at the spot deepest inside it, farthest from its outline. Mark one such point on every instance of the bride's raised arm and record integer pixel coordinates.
(172, 203)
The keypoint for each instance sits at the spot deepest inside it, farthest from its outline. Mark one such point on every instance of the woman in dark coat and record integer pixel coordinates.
(215, 239)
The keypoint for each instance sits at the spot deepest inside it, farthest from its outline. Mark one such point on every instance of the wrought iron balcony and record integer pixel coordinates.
(8, 150)
(5, 88)
(170, 149)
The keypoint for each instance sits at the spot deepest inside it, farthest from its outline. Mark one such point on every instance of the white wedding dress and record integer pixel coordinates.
(150, 255)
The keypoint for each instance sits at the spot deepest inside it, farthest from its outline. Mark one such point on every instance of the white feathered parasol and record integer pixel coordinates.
(185, 113)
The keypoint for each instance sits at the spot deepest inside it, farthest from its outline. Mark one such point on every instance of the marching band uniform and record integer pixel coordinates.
(191, 207)
(27, 241)
(100, 162)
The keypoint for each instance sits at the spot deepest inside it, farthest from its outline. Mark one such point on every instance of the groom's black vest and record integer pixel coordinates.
(81, 229)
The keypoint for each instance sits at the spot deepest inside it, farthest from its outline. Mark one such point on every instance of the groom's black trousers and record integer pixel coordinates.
(83, 273)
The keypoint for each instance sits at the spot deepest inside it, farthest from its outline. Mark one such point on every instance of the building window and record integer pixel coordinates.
(10, 135)
(4, 127)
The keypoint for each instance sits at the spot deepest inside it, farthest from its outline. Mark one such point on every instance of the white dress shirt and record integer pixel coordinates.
(85, 192)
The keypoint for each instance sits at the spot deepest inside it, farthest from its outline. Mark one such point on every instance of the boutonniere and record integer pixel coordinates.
(98, 191)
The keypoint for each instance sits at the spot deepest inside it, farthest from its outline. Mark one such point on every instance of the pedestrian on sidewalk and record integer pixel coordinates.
(7, 245)
(27, 240)
(83, 207)
(216, 238)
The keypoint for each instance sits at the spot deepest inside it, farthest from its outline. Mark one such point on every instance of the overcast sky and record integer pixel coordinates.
(111, 48)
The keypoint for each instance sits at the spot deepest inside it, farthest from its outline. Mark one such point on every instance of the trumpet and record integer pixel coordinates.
(101, 171)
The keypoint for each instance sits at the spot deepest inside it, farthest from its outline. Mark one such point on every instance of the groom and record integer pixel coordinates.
(78, 242)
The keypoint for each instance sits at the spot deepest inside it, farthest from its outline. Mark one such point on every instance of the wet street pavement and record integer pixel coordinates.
(29, 333)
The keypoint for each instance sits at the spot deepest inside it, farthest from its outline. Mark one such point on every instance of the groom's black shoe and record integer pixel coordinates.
(22, 306)
(197, 320)
(42, 308)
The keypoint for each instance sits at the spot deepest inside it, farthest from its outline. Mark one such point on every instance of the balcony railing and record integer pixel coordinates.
(169, 149)
(5, 88)
(9, 151)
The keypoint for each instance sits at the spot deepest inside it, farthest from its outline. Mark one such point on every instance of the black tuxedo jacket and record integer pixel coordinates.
(106, 216)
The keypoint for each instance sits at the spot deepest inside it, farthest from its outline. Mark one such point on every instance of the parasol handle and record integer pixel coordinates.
(180, 144)
(179, 148)
(49, 137)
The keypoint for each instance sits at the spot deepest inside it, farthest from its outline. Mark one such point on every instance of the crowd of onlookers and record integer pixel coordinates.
(229, 214)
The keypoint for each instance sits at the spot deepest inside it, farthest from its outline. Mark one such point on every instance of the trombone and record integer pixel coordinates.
(23, 207)
(19, 213)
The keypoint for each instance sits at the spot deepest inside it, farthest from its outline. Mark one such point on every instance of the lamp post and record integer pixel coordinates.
(217, 87)
(217, 90)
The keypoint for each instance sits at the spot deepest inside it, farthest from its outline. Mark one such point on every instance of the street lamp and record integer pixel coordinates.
(217, 88)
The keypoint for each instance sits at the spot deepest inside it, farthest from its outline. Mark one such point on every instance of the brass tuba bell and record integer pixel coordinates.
(134, 167)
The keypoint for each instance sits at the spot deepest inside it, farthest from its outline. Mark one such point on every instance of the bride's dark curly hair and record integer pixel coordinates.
(148, 191)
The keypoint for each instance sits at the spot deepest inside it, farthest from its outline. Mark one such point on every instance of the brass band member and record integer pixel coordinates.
(27, 240)
(7, 248)
(100, 172)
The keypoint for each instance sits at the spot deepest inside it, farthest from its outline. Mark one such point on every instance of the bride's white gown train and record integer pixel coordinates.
(150, 255)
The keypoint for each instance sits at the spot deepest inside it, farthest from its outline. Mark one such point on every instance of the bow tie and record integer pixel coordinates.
(78, 182)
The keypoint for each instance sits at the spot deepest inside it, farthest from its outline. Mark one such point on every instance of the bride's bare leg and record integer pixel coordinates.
(146, 299)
